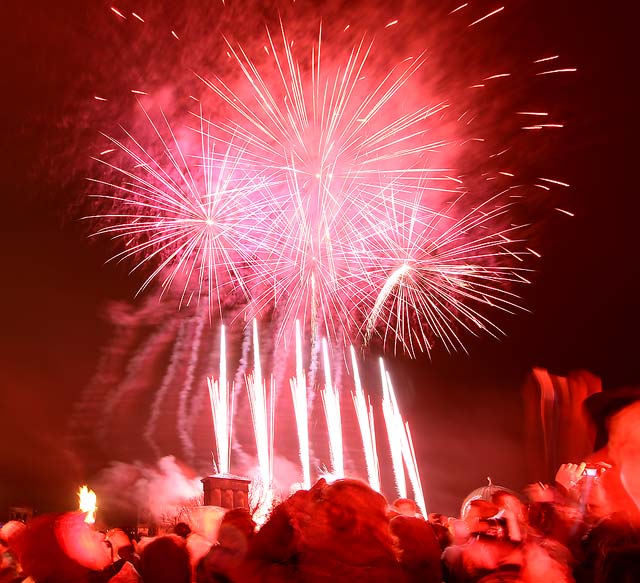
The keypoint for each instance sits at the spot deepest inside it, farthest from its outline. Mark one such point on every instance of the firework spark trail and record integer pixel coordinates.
(299, 396)
(167, 383)
(331, 402)
(222, 409)
(403, 434)
(393, 433)
(187, 386)
(364, 412)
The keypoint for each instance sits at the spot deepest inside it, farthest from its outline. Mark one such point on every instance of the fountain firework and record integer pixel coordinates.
(261, 404)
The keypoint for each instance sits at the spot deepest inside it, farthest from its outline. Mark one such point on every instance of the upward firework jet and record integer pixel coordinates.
(364, 412)
(222, 409)
(298, 386)
(331, 402)
(400, 443)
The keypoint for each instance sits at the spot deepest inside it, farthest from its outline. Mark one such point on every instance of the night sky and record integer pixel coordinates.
(465, 410)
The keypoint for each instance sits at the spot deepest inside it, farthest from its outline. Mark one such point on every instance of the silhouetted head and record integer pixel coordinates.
(165, 560)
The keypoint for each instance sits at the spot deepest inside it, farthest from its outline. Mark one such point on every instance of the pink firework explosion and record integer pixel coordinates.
(196, 217)
(318, 193)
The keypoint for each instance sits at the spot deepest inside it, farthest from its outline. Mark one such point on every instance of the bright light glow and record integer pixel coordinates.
(87, 502)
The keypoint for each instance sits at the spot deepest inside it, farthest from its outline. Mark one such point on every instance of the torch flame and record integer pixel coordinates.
(87, 503)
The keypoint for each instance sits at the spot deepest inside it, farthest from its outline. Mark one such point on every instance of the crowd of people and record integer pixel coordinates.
(583, 528)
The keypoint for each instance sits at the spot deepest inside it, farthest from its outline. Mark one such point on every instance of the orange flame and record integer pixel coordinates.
(87, 503)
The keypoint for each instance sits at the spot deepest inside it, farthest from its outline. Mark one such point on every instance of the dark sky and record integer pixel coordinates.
(463, 408)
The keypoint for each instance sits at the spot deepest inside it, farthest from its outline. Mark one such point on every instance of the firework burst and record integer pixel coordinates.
(318, 196)
(190, 215)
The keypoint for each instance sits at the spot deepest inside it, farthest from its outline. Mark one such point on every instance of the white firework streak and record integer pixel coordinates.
(299, 397)
(393, 433)
(331, 402)
(222, 409)
(364, 412)
(261, 414)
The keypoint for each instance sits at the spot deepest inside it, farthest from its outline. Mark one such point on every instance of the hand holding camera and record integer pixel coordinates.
(569, 475)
